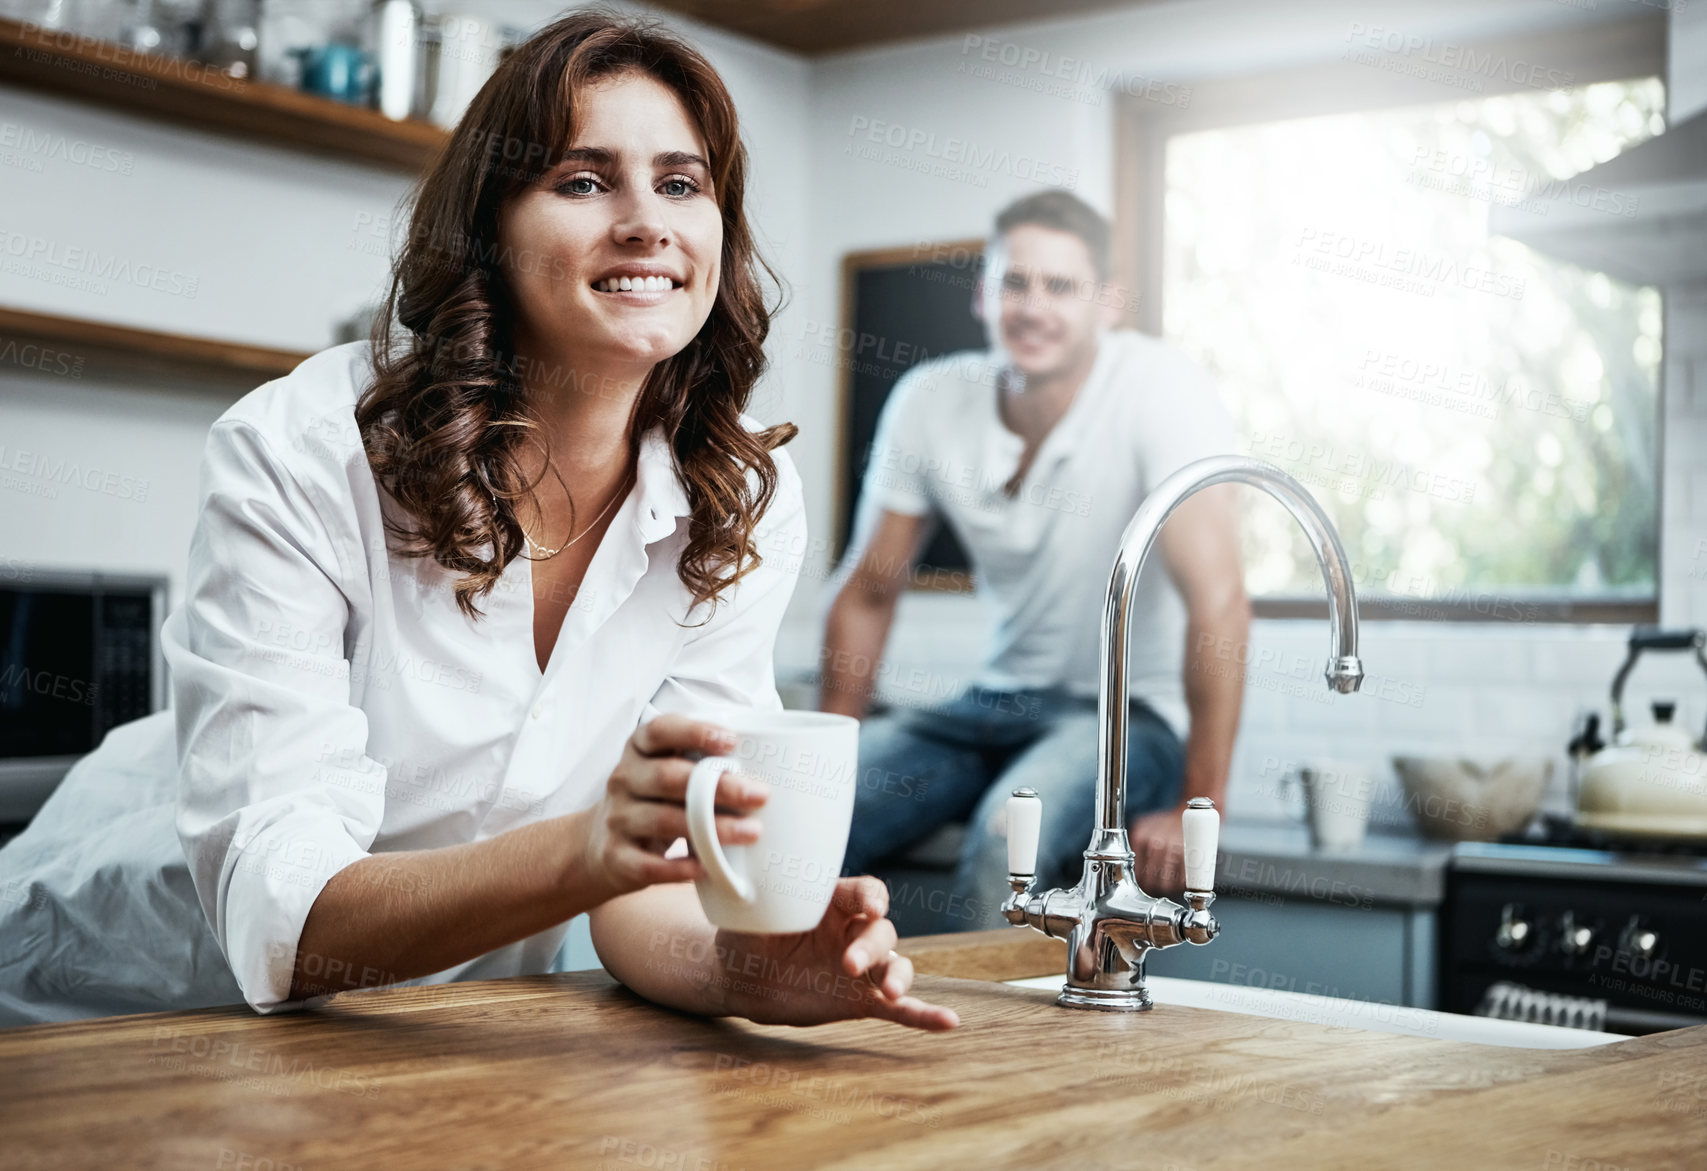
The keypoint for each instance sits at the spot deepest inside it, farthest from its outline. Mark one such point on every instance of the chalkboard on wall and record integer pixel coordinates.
(900, 307)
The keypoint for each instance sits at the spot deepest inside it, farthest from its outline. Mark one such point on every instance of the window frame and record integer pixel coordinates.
(1590, 53)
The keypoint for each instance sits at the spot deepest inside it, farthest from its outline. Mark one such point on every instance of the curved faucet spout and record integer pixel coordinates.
(1344, 672)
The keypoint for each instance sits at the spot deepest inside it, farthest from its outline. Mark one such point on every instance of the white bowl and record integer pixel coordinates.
(1464, 801)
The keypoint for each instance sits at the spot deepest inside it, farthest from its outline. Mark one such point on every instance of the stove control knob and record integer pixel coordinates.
(1574, 938)
(1639, 940)
(1514, 932)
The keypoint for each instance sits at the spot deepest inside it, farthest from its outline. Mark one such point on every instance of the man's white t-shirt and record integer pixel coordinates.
(1042, 558)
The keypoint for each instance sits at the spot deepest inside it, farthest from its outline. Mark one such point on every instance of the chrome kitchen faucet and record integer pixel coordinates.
(1108, 921)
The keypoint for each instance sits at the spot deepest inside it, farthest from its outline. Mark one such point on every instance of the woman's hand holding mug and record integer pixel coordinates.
(643, 811)
(792, 943)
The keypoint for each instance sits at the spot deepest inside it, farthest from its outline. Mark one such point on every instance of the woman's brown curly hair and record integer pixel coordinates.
(446, 415)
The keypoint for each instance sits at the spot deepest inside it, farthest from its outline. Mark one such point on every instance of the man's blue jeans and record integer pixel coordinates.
(920, 769)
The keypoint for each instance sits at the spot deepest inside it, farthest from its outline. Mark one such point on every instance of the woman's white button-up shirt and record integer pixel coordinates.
(332, 701)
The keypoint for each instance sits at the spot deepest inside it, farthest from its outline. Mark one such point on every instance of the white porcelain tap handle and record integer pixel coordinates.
(1202, 838)
(1025, 822)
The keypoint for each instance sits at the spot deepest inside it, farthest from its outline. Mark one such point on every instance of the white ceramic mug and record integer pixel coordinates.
(1336, 801)
(783, 882)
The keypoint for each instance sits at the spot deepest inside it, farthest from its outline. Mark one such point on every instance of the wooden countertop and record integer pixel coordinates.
(575, 1071)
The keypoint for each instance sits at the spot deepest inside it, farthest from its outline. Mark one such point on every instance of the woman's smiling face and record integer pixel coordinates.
(613, 255)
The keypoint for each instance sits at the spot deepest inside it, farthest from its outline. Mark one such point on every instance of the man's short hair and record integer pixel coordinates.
(1064, 212)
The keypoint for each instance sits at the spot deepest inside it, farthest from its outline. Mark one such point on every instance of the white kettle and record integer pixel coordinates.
(1652, 779)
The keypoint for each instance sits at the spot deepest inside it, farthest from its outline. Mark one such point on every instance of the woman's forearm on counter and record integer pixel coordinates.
(395, 916)
(659, 943)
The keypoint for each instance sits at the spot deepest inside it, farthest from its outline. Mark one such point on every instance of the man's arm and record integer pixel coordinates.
(1200, 546)
(859, 619)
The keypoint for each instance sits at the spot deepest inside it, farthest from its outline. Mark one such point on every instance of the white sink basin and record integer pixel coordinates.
(1356, 1014)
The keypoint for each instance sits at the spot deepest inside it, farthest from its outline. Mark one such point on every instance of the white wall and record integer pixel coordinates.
(1686, 49)
(263, 234)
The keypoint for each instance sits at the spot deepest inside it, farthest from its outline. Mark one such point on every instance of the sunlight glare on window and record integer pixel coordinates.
(1429, 382)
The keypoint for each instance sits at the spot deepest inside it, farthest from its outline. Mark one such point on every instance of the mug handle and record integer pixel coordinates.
(702, 826)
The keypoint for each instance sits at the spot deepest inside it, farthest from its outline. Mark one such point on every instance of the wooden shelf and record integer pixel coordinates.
(119, 351)
(81, 67)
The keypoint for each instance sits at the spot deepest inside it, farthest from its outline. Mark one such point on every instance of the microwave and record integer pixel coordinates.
(79, 655)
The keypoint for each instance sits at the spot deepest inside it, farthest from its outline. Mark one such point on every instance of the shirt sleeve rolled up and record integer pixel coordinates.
(275, 791)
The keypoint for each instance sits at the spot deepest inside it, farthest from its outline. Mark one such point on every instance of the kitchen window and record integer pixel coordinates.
(1479, 420)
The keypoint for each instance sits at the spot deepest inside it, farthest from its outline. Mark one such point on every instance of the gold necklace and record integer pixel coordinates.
(538, 548)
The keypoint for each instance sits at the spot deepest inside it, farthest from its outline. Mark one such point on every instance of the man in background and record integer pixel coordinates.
(1037, 453)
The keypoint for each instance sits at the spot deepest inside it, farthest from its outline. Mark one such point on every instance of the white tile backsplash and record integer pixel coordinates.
(1697, 498)
(1335, 717)
(1498, 660)
(1579, 662)
(1263, 714)
(1443, 714)
(1530, 712)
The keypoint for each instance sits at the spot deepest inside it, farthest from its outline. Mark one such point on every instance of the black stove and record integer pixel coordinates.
(1569, 926)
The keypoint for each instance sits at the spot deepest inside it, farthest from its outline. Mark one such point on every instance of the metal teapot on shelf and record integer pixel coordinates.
(1109, 922)
(1652, 779)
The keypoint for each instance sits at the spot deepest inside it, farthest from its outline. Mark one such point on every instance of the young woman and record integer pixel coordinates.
(452, 593)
